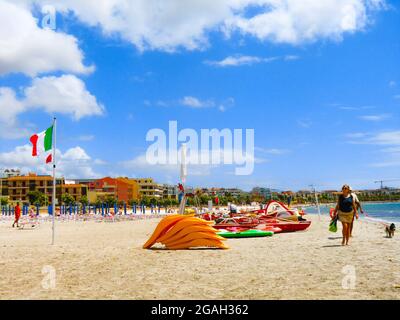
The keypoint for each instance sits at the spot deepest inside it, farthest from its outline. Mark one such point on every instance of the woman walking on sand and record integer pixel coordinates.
(346, 209)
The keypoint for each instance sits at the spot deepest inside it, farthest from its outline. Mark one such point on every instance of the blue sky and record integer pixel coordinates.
(325, 108)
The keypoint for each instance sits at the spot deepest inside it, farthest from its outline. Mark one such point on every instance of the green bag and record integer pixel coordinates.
(333, 225)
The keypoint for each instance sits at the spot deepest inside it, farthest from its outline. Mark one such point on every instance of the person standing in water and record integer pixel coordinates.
(17, 215)
(346, 209)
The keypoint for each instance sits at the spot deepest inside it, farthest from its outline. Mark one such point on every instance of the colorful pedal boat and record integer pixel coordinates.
(252, 233)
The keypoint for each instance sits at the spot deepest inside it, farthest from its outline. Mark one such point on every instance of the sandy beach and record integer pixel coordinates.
(95, 260)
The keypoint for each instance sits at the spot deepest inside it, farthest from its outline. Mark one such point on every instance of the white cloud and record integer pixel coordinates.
(291, 57)
(304, 123)
(296, 22)
(66, 95)
(273, 151)
(375, 118)
(10, 107)
(390, 154)
(76, 154)
(193, 102)
(74, 163)
(89, 137)
(356, 135)
(226, 104)
(381, 138)
(235, 61)
(240, 60)
(386, 138)
(168, 25)
(347, 108)
(216, 160)
(26, 48)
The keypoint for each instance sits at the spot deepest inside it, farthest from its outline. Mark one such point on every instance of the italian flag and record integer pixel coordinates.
(43, 142)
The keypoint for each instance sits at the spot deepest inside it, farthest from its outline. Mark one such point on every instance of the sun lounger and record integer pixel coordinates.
(31, 223)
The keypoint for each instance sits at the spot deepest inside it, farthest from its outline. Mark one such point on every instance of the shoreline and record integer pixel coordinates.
(334, 203)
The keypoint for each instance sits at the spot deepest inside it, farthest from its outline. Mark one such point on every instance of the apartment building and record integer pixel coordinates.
(17, 188)
(77, 191)
(234, 192)
(8, 173)
(150, 189)
(170, 192)
(263, 192)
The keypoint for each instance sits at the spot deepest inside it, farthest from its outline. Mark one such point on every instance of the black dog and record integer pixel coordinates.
(390, 230)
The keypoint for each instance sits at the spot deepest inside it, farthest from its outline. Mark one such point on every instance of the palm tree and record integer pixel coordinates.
(84, 201)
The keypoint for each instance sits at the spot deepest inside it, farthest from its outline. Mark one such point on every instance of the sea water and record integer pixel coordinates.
(387, 211)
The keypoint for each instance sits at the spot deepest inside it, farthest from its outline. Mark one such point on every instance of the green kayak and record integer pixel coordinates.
(246, 234)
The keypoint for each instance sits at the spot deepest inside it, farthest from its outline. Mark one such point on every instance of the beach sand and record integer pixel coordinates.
(105, 261)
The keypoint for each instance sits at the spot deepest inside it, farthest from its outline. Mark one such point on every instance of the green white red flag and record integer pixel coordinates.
(43, 143)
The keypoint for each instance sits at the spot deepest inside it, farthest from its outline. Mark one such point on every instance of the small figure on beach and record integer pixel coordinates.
(289, 200)
(32, 217)
(346, 209)
(17, 214)
(359, 208)
(233, 209)
(32, 214)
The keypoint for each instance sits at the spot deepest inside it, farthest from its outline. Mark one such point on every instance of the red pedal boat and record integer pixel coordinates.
(286, 226)
(276, 216)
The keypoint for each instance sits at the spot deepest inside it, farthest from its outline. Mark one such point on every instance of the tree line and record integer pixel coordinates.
(41, 199)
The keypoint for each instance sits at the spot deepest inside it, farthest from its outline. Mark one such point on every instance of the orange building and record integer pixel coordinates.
(122, 189)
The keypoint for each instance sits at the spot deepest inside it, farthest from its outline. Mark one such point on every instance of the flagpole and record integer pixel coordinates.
(54, 180)
(183, 178)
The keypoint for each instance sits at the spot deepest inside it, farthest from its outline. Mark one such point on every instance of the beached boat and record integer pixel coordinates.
(273, 224)
(252, 233)
(288, 226)
(278, 209)
(239, 223)
(276, 216)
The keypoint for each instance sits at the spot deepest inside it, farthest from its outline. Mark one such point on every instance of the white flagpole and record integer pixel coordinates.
(316, 201)
(54, 179)
(183, 165)
(183, 179)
